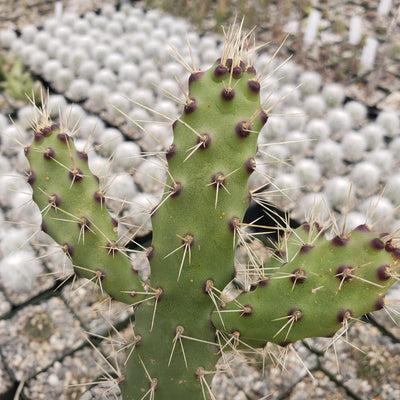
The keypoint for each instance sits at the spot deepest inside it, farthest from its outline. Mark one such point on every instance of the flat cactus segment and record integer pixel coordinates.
(75, 215)
(208, 169)
(317, 292)
(195, 232)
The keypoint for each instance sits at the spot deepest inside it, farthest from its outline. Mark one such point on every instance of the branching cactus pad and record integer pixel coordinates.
(74, 212)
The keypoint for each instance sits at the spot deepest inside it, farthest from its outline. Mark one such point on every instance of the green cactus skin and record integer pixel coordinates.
(194, 240)
(325, 284)
(74, 213)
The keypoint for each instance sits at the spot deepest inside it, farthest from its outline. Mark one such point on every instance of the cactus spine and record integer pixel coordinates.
(184, 311)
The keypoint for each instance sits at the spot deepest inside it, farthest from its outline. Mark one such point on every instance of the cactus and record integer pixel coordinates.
(17, 82)
(186, 315)
(38, 326)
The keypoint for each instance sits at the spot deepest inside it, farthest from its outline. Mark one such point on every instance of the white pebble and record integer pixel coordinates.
(317, 129)
(97, 96)
(313, 205)
(352, 220)
(19, 270)
(354, 146)
(78, 89)
(298, 144)
(307, 171)
(382, 158)
(365, 176)
(329, 155)
(274, 130)
(50, 70)
(88, 70)
(333, 94)
(380, 210)
(392, 190)
(127, 155)
(314, 106)
(73, 114)
(389, 121)
(310, 82)
(357, 112)
(99, 166)
(91, 125)
(339, 121)
(338, 192)
(286, 184)
(7, 37)
(109, 139)
(120, 188)
(374, 135)
(151, 175)
(14, 239)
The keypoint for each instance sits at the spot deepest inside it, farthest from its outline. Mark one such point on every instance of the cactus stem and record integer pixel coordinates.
(153, 294)
(63, 137)
(344, 273)
(228, 93)
(54, 201)
(175, 189)
(158, 296)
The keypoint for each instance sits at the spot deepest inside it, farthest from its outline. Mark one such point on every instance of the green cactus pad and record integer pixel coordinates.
(324, 286)
(195, 231)
(75, 215)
